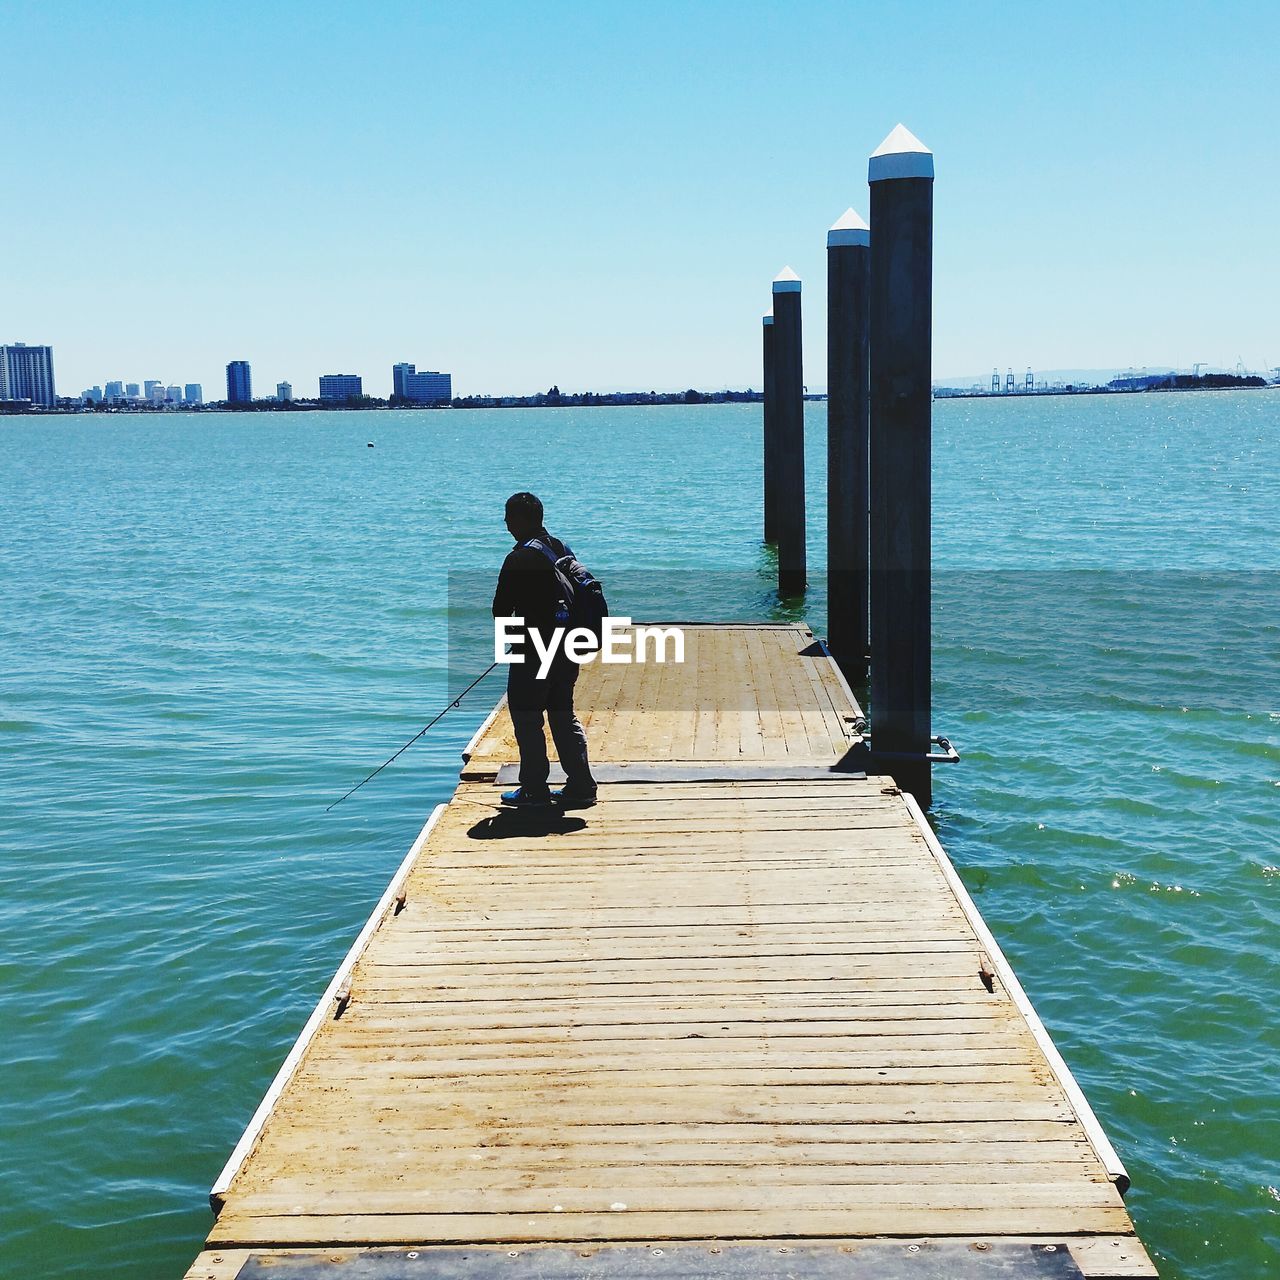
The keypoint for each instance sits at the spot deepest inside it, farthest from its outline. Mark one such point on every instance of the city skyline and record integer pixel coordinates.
(153, 392)
(26, 374)
(429, 387)
(611, 216)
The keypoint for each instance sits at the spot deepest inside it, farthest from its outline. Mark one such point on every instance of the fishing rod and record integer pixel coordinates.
(416, 736)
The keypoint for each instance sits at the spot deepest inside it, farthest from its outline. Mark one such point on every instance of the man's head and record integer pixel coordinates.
(524, 516)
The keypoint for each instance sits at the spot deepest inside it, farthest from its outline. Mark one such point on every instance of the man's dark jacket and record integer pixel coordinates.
(528, 588)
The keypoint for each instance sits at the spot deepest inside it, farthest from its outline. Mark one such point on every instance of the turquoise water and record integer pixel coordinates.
(211, 627)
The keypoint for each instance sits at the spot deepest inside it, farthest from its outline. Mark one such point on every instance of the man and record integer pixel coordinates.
(529, 588)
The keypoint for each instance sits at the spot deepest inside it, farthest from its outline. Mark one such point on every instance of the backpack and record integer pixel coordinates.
(581, 594)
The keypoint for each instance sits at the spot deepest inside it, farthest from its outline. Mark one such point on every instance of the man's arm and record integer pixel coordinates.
(522, 574)
(503, 591)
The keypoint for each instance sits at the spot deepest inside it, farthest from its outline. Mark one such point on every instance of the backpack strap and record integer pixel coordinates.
(537, 544)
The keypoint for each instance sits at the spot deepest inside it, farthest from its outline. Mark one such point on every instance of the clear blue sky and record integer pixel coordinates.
(598, 194)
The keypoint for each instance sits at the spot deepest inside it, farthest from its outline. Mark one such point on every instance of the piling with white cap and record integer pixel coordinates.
(848, 400)
(770, 437)
(901, 177)
(788, 384)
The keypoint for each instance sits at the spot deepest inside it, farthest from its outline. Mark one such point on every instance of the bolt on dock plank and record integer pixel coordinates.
(750, 1021)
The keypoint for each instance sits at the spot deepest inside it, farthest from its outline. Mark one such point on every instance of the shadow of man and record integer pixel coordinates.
(523, 823)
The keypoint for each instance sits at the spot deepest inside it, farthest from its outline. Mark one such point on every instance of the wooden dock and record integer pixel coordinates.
(740, 1017)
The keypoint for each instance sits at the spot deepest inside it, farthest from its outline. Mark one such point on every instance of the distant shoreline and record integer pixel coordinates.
(1163, 384)
(621, 399)
(1086, 391)
(544, 400)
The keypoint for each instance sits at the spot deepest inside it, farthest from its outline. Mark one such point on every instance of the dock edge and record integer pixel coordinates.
(217, 1193)
(1107, 1154)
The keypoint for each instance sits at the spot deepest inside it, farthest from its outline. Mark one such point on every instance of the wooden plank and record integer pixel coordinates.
(430, 951)
(463, 1059)
(549, 1139)
(893, 1186)
(602, 1021)
(694, 770)
(408, 960)
(557, 1150)
(372, 1025)
(1103, 1257)
(905, 1218)
(794, 1080)
(659, 1106)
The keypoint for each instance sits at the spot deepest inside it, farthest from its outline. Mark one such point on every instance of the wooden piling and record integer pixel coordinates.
(770, 436)
(788, 377)
(848, 399)
(901, 177)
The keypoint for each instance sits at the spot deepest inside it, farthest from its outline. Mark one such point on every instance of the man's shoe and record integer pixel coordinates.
(522, 799)
(567, 799)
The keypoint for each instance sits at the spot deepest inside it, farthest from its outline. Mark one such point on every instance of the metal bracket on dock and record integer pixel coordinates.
(948, 754)
(874, 1260)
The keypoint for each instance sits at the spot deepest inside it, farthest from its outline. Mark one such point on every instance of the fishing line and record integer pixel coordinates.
(415, 737)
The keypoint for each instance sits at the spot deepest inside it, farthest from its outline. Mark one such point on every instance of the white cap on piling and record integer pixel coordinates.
(767, 318)
(851, 229)
(900, 155)
(786, 281)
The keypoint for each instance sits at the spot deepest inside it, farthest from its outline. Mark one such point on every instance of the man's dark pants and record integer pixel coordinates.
(528, 699)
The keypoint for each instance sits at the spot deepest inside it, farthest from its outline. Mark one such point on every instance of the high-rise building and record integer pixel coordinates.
(113, 391)
(131, 390)
(194, 393)
(149, 389)
(284, 391)
(92, 396)
(239, 385)
(340, 386)
(155, 393)
(426, 387)
(173, 395)
(26, 373)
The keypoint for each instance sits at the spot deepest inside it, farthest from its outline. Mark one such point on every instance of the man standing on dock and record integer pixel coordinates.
(529, 588)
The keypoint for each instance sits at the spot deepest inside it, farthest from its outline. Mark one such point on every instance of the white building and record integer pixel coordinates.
(284, 391)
